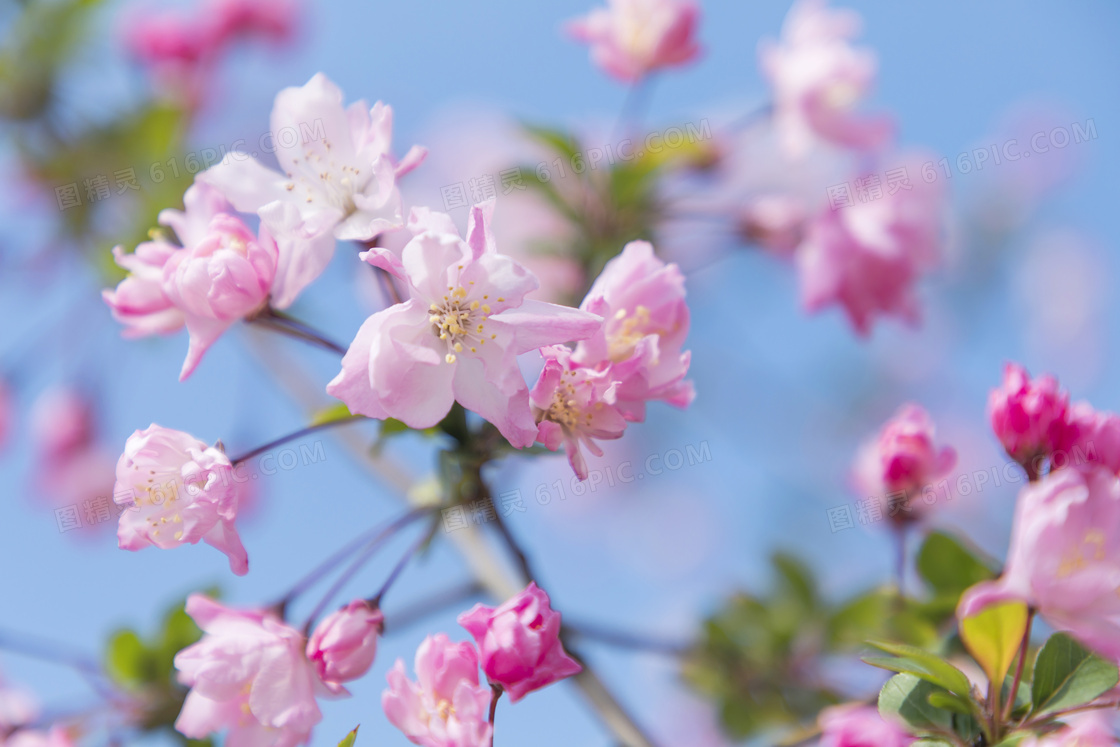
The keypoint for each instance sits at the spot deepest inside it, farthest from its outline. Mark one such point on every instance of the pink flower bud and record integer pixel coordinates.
(1029, 417)
(520, 643)
(1091, 438)
(343, 646)
(445, 707)
(177, 490)
(138, 301)
(631, 38)
(859, 726)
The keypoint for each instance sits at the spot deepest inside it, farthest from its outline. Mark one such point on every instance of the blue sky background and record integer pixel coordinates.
(783, 399)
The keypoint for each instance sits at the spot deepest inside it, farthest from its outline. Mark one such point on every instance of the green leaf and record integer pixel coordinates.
(949, 567)
(337, 411)
(906, 697)
(126, 659)
(925, 665)
(993, 635)
(348, 740)
(950, 702)
(1067, 675)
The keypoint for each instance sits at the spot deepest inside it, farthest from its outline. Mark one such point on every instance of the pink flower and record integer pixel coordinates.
(1064, 558)
(177, 490)
(818, 77)
(247, 674)
(338, 175)
(646, 318)
(1090, 729)
(903, 457)
(458, 335)
(1090, 437)
(445, 707)
(269, 19)
(631, 38)
(62, 425)
(1029, 416)
(138, 301)
(56, 737)
(868, 256)
(224, 277)
(857, 725)
(17, 708)
(343, 646)
(520, 643)
(775, 222)
(574, 405)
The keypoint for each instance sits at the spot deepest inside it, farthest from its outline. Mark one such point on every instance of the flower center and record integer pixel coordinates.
(627, 332)
(319, 178)
(566, 410)
(445, 710)
(460, 322)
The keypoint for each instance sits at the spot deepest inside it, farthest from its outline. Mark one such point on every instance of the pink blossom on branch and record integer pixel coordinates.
(631, 38)
(457, 336)
(646, 321)
(247, 674)
(818, 78)
(1064, 558)
(858, 725)
(574, 406)
(903, 457)
(446, 706)
(339, 177)
(177, 490)
(520, 643)
(867, 257)
(1091, 437)
(344, 644)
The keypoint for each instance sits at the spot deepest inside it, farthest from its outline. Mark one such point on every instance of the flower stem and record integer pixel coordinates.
(293, 436)
(280, 322)
(495, 694)
(1019, 669)
(436, 602)
(375, 600)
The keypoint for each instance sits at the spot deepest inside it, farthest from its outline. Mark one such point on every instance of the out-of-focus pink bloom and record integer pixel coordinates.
(338, 178)
(61, 424)
(177, 490)
(17, 708)
(219, 280)
(55, 737)
(7, 412)
(1089, 729)
(267, 19)
(775, 222)
(1091, 437)
(575, 405)
(859, 726)
(457, 336)
(903, 457)
(343, 646)
(818, 78)
(445, 707)
(1064, 558)
(641, 300)
(1029, 416)
(520, 643)
(868, 256)
(247, 674)
(631, 38)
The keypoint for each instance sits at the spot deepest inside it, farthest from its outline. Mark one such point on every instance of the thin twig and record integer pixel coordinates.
(375, 600)
(623, 639)
(418, 611)
(280, 322)
(293, 436)
(1019, 669)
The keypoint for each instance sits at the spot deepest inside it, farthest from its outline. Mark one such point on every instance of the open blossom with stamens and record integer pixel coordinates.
(445, 707)
(818, 77)
(519, 642)
(575, 405)
(903, 458)
(641, 299)
(868, 256)
(1064, 559)
(177, 490)
(632, 38)
(339, 176)
(247, 674)
(457, 336)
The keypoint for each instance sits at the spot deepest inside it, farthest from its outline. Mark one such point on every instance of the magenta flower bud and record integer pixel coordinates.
(178, 490)
(857, 725)
(520, 643)
(1029, 416)
(343, 646)
(1092, 438)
